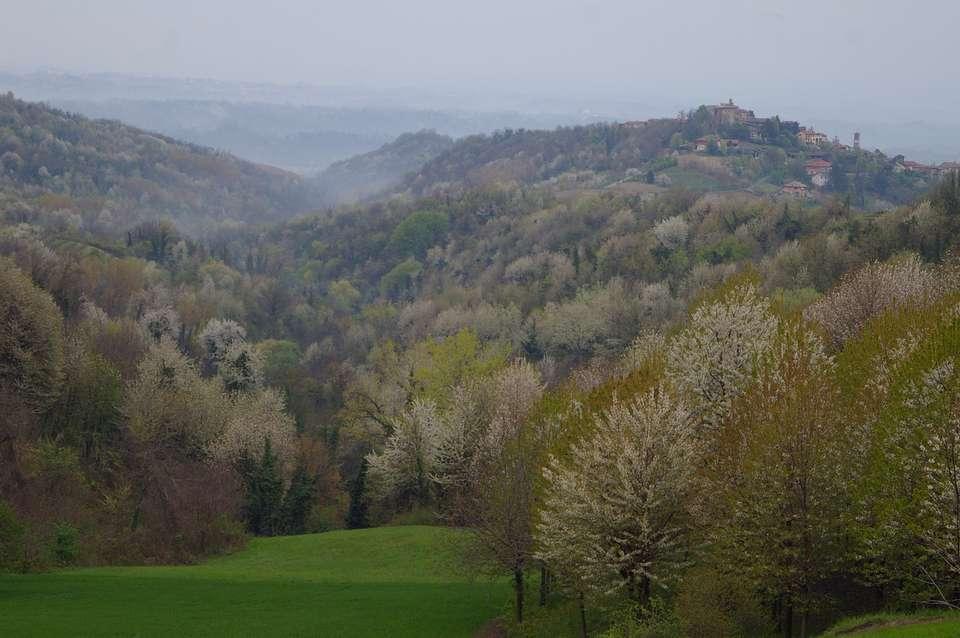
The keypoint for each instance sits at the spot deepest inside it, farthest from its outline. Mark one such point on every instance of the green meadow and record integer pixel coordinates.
(390, 581)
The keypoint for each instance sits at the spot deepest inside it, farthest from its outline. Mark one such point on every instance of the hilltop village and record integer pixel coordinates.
(789, 159)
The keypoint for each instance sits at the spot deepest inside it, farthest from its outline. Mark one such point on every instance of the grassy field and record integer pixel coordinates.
(390, 581)
(931, 624)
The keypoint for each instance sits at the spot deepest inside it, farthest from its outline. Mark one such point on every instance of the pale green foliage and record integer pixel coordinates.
(657, 305)
(490, 322)
(781, 468)
(788, 268)
(554, 269)
(343, 295)
(437, 365)
(31, 339)
(644, 346)
(617, 514)
(711, 361)
(592, 320)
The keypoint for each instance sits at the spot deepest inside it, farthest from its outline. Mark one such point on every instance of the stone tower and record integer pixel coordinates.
(856, 141)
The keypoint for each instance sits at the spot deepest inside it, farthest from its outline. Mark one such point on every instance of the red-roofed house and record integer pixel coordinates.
(816, 166)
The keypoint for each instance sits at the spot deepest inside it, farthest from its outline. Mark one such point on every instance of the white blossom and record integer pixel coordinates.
(711, 361)
(616, 515)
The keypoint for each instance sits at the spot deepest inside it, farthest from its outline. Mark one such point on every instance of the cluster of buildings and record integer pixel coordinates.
(811, 137)
(927, 170)
(818, 168)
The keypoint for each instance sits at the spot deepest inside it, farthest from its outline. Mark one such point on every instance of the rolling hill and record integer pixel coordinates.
(112, 175)
(362, 176)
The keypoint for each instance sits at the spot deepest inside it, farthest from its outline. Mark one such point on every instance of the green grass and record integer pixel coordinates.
(391, 581)
(928, 624)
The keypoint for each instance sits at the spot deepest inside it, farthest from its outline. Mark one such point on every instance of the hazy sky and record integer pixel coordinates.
(863, 53)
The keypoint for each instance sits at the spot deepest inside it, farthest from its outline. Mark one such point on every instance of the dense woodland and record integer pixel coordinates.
(369, 174)
(103, 174)
(680, 412)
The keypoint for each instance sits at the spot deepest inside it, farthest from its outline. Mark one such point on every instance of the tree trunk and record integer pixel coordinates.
(583, 617)
(788, 618)
(544, 584)
(518, 591)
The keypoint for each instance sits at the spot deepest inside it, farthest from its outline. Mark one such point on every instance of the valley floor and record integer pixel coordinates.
(390, 581)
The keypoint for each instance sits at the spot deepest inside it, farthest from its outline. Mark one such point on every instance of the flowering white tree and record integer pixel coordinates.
(672, 232)
(711, 361)
(226, 352)
(241, 368)
(517, 389)
(170, 404)
(409, 457)
(161, 323)
(617, 514)
(503, 491)
(934, 411)
(871, 290)
(254, 418)
(217, 337)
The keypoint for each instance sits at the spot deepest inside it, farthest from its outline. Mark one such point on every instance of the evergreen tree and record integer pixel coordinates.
(296, 502)
(357, 514)
(264, 497)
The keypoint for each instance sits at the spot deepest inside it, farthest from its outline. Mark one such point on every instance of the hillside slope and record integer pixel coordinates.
(354, 179)
(397, 581)
(529, 156)
(697, 151)
(113, 174)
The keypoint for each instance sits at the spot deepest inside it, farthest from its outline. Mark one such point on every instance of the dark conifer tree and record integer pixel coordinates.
(357, 514)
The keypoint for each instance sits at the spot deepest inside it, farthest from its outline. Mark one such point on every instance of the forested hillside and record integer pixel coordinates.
(528, 156)
(106, 176)
(694, 150)
(359, 177)
(680, 406)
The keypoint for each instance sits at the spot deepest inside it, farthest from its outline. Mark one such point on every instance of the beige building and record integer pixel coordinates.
(809, 136)
(797, 190)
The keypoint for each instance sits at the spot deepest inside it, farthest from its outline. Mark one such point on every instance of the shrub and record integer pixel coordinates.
(65, 544)
(715, 605)
(11, 539)
(656, 620)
